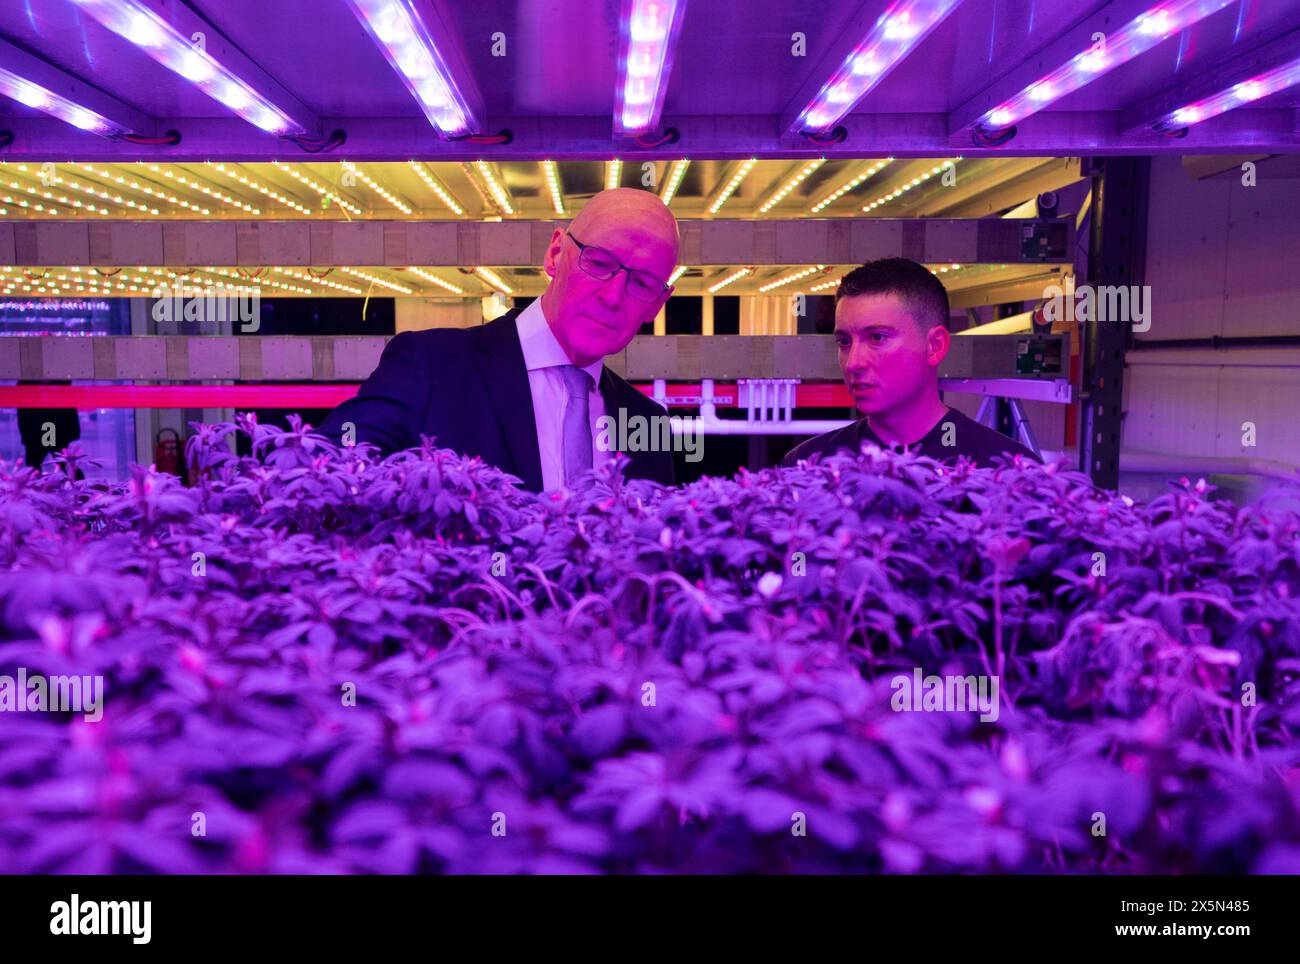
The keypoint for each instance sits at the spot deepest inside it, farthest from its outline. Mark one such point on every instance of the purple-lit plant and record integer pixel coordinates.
(318, 661)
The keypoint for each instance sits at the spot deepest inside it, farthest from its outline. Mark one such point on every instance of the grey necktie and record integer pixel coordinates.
(577, 423)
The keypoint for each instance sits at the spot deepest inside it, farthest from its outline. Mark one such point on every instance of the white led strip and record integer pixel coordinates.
(843, 189)
(145, 188)
(715, 288)
(259, 187)
(305, 276)
(806, 272)
(498, 192)
(202, 188)
(675, 179)
(374, 279)
(494, 279)
(552, 172)
(316, 186)
(375, 186)
(53, 177)
(791, 184)
(438, 188)
(914, 182)
(734, 183)
(434, 279)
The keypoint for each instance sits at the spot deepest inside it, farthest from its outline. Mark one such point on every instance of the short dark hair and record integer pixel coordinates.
(914, 284)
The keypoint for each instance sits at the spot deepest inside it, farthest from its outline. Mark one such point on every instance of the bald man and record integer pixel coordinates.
(527, 391)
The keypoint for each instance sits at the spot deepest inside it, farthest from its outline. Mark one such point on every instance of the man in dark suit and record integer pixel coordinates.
(528, 391)
(891, 329)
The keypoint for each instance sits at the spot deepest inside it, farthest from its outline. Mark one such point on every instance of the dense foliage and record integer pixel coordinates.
(500, 644)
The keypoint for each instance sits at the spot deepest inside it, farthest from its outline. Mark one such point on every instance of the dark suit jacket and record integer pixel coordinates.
(468, 389)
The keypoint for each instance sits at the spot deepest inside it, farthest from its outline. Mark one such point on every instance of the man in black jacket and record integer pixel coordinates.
(891, 328)
(529, 392)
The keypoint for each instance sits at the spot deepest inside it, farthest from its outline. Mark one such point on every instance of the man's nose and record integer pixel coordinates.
(857, 359)
(614, 290)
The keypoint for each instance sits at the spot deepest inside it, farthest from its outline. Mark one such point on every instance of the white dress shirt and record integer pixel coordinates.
(542, 354)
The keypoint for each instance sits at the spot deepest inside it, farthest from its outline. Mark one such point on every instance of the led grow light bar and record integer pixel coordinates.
(161, 41)
(1251, 89)
(1136, 37)
(35, 96)
(648, 31)
(893, 36)
(405, 39)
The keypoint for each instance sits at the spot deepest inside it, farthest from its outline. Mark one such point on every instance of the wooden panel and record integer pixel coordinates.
(278, 243)
(358, 243)
(125, 242)
(199, 243)
(69, 357)
(216, 357)
(144, 357)
(505, 243)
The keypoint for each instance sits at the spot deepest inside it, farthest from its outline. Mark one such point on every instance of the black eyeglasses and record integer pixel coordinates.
(602, 266)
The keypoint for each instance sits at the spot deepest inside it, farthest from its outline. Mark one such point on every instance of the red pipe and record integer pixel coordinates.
(90, 397)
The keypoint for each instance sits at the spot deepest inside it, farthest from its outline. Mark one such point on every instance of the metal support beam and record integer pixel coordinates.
(1052, 133)
(1117, 256)
(522, 243)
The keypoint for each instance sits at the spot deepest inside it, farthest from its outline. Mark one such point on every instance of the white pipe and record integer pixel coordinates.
(1130, 461)
(735, 426)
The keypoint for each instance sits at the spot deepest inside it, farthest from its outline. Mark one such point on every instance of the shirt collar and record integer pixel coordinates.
(540, 346)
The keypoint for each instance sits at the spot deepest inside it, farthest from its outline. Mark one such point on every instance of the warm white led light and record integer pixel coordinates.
(674, 179)
(316, 186)
(791, 184)
(494, 186)
(438, 188)
(374, 279)
(736, 276)
(435, 280)
(798, 275)
(847, 186)
(732, 184)
(552, 173)
(494, 279)
(375, 186)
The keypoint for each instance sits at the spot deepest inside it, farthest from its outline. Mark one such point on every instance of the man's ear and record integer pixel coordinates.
(553, 250)
(937, 342)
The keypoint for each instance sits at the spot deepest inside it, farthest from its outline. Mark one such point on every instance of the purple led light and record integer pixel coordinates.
(1136, 37)
(1244, 92)
(161, 41)
(893, 36)
(70, 112)
(405, 41)
(649, 29)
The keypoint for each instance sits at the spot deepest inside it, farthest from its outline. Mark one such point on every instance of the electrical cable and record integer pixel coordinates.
(316, 145)
(169, 139)
(670, 136)
(835, 135)
(985, 138)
